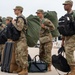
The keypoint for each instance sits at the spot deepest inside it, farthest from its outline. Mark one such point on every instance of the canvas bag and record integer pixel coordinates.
(52, 16)
(32, 32)
(37, 66)
(60, 62)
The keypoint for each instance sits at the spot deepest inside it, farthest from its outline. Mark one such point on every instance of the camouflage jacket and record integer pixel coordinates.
(46, 31)
(2, 26)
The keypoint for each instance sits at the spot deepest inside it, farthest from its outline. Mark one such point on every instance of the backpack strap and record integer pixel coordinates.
(25, 23)
(22, 18)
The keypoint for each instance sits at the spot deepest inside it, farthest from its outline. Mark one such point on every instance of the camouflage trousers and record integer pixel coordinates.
(1, 48)
(45, 52)
(70, 49)
(21, 54)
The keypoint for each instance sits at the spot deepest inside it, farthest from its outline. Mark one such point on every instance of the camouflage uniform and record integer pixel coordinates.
(9, 19)
(2, 45)
(70, 41)
(70, 48)
(21, 52)
(45, 48)
(1, 28)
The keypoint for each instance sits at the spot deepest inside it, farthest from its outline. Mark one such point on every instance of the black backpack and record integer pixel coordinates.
(60, 62)
(67, 25)
(12, 32)
(3, 36)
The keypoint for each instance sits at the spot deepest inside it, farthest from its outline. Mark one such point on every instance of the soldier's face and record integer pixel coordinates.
(67, 7)
(16, 11)
(39, 14)
(7, 21)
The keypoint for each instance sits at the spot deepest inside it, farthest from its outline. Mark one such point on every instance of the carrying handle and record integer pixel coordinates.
(61, 50)
(36, 57)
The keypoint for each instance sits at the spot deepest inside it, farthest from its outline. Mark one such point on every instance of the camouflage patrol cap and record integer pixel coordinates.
(40, 10)
(70, 2)
(9, 18)
(19, 8)
(47, 22)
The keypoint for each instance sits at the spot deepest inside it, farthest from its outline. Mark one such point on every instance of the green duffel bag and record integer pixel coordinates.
(52, 15)
(32, 33)
(74, 13)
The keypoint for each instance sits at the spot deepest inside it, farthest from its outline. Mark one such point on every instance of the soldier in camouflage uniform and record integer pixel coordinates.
(45, 38)
(21, 52)
(2, 26)
(69, 40)
(8, 20)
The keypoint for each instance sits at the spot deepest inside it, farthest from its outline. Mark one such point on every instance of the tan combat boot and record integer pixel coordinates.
(23, 72)
(49, 67)
(18, 70)
(72, 70)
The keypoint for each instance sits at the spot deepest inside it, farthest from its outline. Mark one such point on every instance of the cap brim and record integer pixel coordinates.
(37, 12)
(14, 9)
(64, 3)
(7, 18)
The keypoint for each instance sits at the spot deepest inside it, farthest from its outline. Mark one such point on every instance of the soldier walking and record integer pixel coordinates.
(2, 26)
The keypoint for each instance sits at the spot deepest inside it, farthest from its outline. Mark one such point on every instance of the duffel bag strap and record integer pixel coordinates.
(35, 63)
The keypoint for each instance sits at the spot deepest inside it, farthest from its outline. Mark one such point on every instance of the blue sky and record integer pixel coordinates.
(31, 6)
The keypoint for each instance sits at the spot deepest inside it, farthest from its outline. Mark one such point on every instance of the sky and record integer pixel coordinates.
(31, 6)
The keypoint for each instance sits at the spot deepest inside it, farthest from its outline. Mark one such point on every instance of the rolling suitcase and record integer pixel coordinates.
(8, 58)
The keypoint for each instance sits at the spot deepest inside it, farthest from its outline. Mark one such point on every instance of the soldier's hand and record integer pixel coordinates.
(62, 43)
(13, 21)
(42, 25)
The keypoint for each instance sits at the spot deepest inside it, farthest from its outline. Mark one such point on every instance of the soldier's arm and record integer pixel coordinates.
(3, 25)
(50, 26)
(20, 24)
(63, 39)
